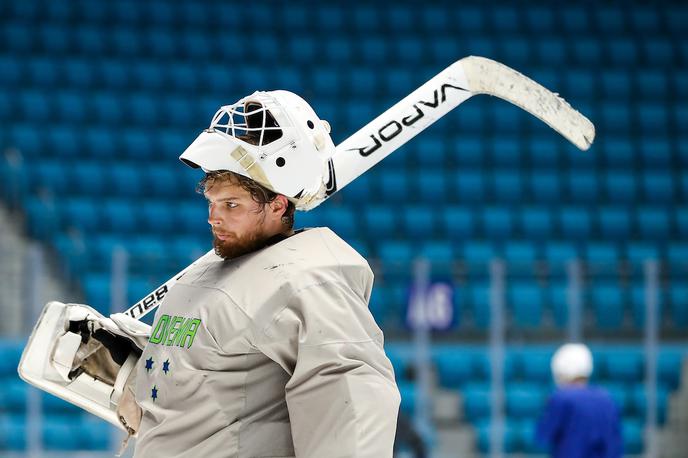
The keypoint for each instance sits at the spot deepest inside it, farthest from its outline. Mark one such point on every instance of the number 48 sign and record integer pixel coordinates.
(434, 309)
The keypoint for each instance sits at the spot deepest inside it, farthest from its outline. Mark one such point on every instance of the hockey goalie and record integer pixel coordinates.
(265, 346)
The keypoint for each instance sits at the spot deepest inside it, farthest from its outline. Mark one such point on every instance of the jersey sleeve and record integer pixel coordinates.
(341, 395)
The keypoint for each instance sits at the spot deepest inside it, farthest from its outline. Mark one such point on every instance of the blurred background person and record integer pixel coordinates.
(579, 421)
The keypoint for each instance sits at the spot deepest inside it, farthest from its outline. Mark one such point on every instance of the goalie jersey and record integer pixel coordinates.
(272, 354)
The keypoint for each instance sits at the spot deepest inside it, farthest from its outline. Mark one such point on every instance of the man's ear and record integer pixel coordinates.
(279, 205)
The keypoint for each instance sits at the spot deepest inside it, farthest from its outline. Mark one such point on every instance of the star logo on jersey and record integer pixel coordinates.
(149, 364)
(166, 366)
(154, 393)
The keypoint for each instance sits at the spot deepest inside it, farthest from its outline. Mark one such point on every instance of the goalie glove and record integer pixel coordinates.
(87, 359)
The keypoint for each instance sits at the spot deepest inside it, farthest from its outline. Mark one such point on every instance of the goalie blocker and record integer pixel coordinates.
(84, 358)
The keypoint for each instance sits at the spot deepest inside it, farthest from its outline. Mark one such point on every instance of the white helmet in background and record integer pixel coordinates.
(274, 138)
(570, 362)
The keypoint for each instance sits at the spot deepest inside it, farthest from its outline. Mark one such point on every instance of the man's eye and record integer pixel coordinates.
(231, 205)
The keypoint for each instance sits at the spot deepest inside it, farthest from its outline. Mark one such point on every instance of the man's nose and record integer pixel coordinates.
(213, 215)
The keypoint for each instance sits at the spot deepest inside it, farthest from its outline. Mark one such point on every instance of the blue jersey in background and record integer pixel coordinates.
(580, 422)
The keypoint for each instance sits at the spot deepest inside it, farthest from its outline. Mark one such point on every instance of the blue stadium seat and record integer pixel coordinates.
(639, 396)
(544, 152)
(118, 216)
(536, 223)
(575, 223)
(11, 351)
(583, 187)
(655, 153)
(373, 50)
(508, 120)
(521, 254)
(620, 187)
(157, 217)
(677, 255)
(469, 186)
(397, 81)
(517, 51)
(193, 218)
(618, 152)
(480, 303)
(535, 366)
(616, 118)
(556, 296)
(622, 51)
(107, 108)
(615, 83)
(524, 400)
(614, 223)
(342, 220)
(526, 304)
(362, 81)
(638, 305)
(63, 141)
(469, 151)
(551, 52)
(143, 109)
(23, 137)
(431, 151)
(42, 217)
(652, 85)
(81, 213)
(681, 215)
(623, 365)
(50, 176)
(358, 191)
(476, 401)
(96, 287)
(579, 84)
(497, 222)
(441, 254)
(510, 438)
(457, 223)
(604, 254)
(70, 107)
(657, 187)
(407, 390)
(100, 143)
(12, 432)
(394, 185)
(669, 366)
(327, 80)
(610, 19)
(418, 222)
(546, 186)
(380, 222)
(508, 186)
(432, 186)
(587, 50)
(679, 305)
(126, 180)
(338, 50)
(60, 434)
(455, 366)
(397, 259)
(639, 252)
(608, 305)
(559, 253)
(658, 51)
(632, 433)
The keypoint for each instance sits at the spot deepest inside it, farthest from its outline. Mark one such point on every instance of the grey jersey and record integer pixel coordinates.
(273, 354)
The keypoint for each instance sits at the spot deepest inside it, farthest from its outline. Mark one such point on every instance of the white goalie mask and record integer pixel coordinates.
(274, 138)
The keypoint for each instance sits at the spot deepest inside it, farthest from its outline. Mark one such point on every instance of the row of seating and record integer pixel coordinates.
(606, 306)
(627, 236)
(403, 16)
(647, 84)
(519, 436)
(58, 433)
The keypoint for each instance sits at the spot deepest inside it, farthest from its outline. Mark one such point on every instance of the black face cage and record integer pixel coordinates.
(250, 122)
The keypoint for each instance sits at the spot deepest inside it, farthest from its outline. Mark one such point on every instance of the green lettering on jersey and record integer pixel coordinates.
(175, 327)
(160, 330)
(189, 332)
(176, 330)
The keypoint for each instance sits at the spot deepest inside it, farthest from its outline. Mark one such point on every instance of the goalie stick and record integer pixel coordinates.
(414, 113)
